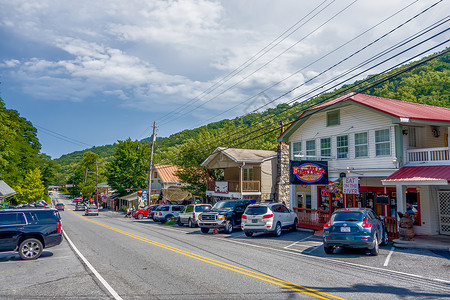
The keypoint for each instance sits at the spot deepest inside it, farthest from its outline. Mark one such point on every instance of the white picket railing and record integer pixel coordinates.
(424, 155)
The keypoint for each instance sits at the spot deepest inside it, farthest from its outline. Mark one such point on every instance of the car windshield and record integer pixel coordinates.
(224, 205)
(256, 210)
(347, 216)
(92, 207)
(201, 208)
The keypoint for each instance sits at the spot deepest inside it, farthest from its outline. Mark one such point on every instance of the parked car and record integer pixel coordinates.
(354, 228)
(29, 230)
(59, 206)
(91, 210)
(143, 212)
(152, 210)
(225, 214)
(189, 214)
(269, 217)
(80, 206)
(166, 213)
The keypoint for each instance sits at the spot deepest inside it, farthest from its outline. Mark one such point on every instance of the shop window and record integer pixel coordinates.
(333, 118)
(297, 150)
(413, 206)
(382, 142)
(342, 146)
(361, 145)
(311, 150)
(325, 147)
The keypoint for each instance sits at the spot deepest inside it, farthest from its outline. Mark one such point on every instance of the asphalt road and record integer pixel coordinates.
(140, 259)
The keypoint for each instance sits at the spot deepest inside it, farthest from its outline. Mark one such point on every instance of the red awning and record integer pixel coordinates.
(426, 175)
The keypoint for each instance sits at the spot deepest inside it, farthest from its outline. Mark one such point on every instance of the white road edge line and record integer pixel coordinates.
(97, 274)
(386, 262)
(304, 239)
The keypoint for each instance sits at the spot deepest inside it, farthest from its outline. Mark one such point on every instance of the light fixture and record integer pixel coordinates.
(435, 132)
(405, 131)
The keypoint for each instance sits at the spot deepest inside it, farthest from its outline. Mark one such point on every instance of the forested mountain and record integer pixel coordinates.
(428, 83)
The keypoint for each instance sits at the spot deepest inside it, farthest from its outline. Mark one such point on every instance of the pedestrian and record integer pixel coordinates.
(128, 213)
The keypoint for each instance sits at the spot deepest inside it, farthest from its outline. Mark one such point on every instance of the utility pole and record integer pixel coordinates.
(149, 187)
(96, 183)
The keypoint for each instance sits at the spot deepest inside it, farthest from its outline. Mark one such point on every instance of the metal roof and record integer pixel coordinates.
(167, 173)
(423, 175)
(6, 190)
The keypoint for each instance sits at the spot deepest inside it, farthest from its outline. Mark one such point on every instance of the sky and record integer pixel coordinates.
(89, 73)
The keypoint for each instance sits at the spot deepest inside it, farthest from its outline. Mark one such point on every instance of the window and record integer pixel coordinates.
(325, 147)
(311, 149)
(342, 146)
(297, 150)
(155, 175)
(361, 145)
(412, 137)
(248, 174)
(382, 142)
(333, 118)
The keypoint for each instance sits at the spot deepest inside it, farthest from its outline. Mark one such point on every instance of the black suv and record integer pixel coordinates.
(29, 231)
(225, 214)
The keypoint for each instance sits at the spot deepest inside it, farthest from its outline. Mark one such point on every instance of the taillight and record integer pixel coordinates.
(58, 227)
(268, 216)
(365, 225)
(193, 215)
(160, 213)
(347, 211)
(327, 225)
(244, 217)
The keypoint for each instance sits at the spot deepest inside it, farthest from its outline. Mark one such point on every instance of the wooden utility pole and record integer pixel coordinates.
(149, 188)
(96, 183)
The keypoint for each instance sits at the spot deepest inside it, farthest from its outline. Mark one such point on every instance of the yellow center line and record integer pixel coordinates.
(260, 276)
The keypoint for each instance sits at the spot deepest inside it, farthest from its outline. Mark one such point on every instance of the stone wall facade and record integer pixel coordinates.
(282, 185)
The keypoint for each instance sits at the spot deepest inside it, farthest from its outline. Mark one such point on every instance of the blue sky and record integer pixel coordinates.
(89, 73)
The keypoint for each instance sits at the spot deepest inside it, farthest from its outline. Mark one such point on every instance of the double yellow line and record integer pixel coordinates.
(260, 276)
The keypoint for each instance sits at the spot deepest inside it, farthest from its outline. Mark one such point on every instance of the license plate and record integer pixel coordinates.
(254, 221)
(345, 229)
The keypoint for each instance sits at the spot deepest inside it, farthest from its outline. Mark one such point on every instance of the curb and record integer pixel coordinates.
(419, 245)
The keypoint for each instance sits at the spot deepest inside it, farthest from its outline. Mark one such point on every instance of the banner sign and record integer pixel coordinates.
(350, 185)
(308, 172)
(221, 187)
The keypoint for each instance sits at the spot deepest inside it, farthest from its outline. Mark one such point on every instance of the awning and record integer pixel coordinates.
(6, 190)
(425, 175)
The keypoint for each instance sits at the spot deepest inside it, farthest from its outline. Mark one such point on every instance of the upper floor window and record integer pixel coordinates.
(311, 149)
(342, 146)
(333, 118)
(155, 175)
(296, 150)
(361, 145)
(325, 147)
(382, 142)
(412, 140)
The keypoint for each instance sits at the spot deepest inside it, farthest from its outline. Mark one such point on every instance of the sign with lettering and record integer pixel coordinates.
(350, 185)
(308, 172)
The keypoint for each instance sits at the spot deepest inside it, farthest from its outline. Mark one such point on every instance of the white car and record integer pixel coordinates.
(269, 217)
(166, 213)
(189, 214)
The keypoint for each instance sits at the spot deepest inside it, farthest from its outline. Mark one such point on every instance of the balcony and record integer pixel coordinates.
(429, 156)
(235, 187)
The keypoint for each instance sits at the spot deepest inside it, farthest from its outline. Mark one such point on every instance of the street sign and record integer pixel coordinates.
(144, 195)
(350, 185)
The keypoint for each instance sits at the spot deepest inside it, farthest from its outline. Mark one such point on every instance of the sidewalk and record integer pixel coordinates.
(430, 242)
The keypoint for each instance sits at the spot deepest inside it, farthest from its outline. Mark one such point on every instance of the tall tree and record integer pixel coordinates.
(32, 189)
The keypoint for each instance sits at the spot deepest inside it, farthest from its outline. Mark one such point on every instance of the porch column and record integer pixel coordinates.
(292, 196)
(401, 198)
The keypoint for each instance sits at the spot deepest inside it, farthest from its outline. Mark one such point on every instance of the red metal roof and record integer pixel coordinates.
(424, 173)
(167, 173)
(396, 108)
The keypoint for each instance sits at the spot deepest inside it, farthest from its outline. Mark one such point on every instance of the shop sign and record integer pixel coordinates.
(309, 172)
(350, 185)
(221, 187)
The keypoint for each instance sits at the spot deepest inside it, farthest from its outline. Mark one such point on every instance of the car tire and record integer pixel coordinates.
(140, 216)
(277, 231)
(204, 230)
(179, 222)
(168, 218)
(375, 248)
(328, 250)
(385, 239)
(294, 226)
(228, 227)
(30, 249)
(248, 233)
(191, 223)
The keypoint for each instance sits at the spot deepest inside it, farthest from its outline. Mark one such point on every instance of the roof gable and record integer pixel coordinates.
(242, 155)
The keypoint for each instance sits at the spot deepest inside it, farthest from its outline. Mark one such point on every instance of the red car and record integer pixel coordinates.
(141, 213)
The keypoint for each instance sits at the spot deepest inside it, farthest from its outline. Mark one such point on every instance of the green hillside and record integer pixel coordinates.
(426, 84)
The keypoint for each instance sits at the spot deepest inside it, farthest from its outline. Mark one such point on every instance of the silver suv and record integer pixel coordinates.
(189, 214)
(166, 213)
(268, 217)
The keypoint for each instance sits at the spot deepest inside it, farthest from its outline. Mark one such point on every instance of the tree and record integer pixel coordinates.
(32, 189)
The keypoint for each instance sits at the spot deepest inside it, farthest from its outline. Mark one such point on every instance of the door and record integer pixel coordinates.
(444, 212)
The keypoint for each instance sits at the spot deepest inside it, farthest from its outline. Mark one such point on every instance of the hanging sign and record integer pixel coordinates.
(350, 185)
(308, 172)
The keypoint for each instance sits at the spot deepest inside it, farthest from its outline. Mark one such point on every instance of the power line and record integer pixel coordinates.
(63, 137)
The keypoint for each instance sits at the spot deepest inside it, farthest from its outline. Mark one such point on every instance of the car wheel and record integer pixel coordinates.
(294, 226)
(248, 233)
(168, 218)
(277, 231)
(30, 249)
(204, 230)
(179, 222)
(328, 250)
(375, 248)
(385, 239)
(191, 223)
(140, 216)
(228, 227)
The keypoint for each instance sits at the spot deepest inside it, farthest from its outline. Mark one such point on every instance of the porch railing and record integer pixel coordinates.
(235, 187)
(391, 227)
(312, 218)
(428, 155)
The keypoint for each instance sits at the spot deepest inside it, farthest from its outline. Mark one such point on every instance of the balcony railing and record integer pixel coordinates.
(234, 186)
(437, 155)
